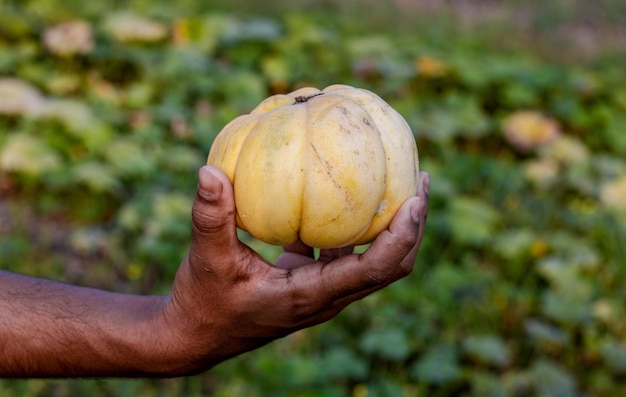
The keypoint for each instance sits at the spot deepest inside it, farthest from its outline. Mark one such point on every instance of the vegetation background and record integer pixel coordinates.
(107, 110)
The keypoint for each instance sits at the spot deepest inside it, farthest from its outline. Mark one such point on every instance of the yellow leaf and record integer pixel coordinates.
(430, 67)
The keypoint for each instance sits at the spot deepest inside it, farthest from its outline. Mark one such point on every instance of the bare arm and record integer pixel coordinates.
(53, 329)
(225, 300)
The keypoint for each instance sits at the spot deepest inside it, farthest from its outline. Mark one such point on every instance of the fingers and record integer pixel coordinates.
(299, 248)
(392, 254)
(423, 190)
(299, 254)
(329, 255)
(213, 217)
(295, 255)
(291, 260)
(320, 290)
(424, 185)
(389, 258)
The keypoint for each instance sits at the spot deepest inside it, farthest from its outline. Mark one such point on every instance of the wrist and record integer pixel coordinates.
(182, 344)
(190, 343)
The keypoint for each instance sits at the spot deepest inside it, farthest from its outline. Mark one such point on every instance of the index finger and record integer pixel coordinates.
(391, 256)
(319, 291)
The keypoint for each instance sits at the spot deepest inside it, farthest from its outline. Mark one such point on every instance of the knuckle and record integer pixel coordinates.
(206, 223)
(405, 268)
(297, 299)
(300, 310)
(377, 276)
(405, 242)
(307, 302)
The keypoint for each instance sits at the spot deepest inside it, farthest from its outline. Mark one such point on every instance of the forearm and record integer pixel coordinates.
(225, 300)
(50, 329)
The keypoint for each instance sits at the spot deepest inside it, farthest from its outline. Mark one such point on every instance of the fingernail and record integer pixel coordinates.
(427, 184)
(416, 207)
(209, 186)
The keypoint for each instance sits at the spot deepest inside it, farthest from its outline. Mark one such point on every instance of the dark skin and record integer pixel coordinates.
(225, 300)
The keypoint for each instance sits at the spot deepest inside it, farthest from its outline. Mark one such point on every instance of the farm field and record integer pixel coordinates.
(108, 109)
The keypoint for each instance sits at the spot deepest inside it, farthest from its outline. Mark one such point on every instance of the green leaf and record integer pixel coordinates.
(485, 384)
(75, 115)
(562, 307)
(170, 215)
(181, 158)
(577, 252)
(343, 363)
(515, 243)
(546, 333)
(472, 220)
(384, 388)
(14, 25)
(24, 153)
(452, 115)
(244, 90)
(129, 158)
(98, 176)
(205, 31)
(550, 379)
(613, 353)
(487, 348)
(392, 344)
(438, 365)
(256, 29)
(566, 279)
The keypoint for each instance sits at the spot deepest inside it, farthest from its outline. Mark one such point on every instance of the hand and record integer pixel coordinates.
(227, 299)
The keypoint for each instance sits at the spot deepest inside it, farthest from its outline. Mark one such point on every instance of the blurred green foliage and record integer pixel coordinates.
(519, 286)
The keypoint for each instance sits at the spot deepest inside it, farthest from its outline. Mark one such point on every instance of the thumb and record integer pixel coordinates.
(213, 215)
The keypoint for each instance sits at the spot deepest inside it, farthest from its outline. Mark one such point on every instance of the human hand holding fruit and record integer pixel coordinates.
(313, 168)
(225, 300)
